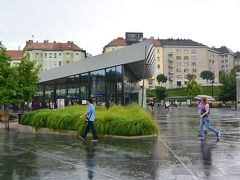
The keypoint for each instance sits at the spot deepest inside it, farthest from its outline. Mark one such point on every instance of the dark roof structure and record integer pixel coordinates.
(179, 42)
(237, 55)
(224, 50)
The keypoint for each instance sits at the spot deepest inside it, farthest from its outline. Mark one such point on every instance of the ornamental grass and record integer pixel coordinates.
(129, 120)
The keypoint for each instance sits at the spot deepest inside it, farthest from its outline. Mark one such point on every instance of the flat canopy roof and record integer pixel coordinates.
(133, 57)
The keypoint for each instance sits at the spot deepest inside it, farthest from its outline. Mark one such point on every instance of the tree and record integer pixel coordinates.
(190, 77)
(193, 88)
(208, 75)
(228, 88)
(161, 78)
(8, 83)
(160, 93)
(28, 78)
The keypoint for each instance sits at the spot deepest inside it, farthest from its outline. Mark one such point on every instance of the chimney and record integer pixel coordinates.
(45, 41)
(68, 42)
(54, 42)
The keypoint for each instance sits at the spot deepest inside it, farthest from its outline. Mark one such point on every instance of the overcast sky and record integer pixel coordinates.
(91, 24)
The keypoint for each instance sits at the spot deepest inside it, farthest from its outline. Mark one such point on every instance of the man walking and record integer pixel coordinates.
(90, 117)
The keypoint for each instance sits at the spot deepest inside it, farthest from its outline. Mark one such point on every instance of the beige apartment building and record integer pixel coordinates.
(226, 59)
(50, 55)
(176, 58)
(184, 56)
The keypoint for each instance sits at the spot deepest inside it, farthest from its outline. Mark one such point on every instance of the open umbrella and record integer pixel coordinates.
(209, 98)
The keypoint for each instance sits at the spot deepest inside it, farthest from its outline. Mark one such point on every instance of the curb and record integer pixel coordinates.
(30, 129)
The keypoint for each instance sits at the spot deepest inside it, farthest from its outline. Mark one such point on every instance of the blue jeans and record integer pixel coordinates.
(206, 121)
(89, 126)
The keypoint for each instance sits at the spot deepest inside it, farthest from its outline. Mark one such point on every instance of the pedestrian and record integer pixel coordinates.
(107, 104)
(205, 120)
(90, 117)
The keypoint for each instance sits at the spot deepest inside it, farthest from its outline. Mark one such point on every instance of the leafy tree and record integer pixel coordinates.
(160, 93)
(150, 93)
(190, 77)
(193, 88)
(28, 78)
(161, 78)
(228, 88)
(8, 83)
(208, 75)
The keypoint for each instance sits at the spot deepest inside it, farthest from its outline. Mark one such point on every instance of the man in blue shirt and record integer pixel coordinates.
(90, 117)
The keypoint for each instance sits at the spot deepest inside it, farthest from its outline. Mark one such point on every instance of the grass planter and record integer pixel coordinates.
(117, 120)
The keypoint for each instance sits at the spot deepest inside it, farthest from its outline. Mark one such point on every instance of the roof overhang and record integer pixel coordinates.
(134, 57)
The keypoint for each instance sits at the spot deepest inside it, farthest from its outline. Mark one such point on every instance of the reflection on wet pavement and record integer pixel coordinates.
(175, 154)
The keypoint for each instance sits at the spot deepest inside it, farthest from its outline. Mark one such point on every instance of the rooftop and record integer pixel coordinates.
(224, 50)
(15, 54)
(237, 55)
(157, 42)
(51, 46)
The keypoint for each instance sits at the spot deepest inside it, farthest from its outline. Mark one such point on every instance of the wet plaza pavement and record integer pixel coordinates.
(175, 154)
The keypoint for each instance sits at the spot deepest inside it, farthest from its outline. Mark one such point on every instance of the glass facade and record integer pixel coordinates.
(114, 84)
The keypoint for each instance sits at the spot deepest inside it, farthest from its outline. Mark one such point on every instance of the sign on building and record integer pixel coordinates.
(133, 37)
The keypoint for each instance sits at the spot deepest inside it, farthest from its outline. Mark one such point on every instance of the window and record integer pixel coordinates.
(178, 51)
(59, 63)
(50, 55)
(178, 70)
(222, 66)
(45, 54)
(158, 50)
(186, 70)
(37, 54)
(158, 66)
(186, 51)
(186, 57)
(194, 70)
(194, 63)
(194, 58)
(77, 54)
(67, 62)
(179, 83)
(186, 64)
(67, 54)
(55, 55)
(178, 64)
(212, 61)
(60, 54)
(178, 57)
(179, 76)
(209, 60)
(226, 61)
(226, 56)
(158, 58)
(193, 51)
(222, 61)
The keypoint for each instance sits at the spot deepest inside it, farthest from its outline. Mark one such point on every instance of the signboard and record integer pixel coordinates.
(84, 101)
(132, 38)
(60, 103)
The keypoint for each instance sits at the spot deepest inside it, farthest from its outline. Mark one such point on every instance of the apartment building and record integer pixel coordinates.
(226, 59)
(176, 58)
(16, 56)
(50, 55)
(184, 56)
(237, 59)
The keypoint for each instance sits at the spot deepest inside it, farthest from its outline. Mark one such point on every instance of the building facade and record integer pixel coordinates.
(111, 76)
(16, 56)
(226, 59)
(237, 59)
(176, 58)
(183, 56)
(50, 55)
